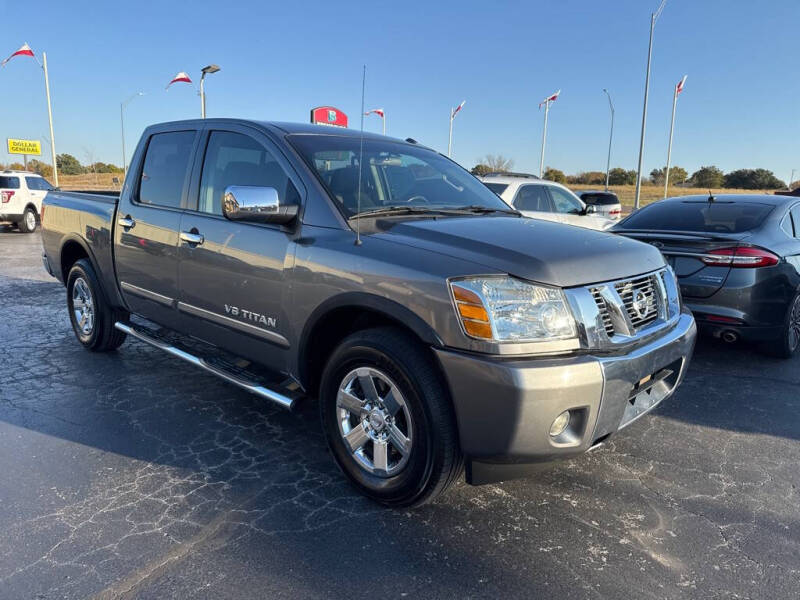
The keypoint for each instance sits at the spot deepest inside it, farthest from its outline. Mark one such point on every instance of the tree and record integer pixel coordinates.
(590, 177)
(40, 167)
(619, 176)
(101, 167)
(753, 179)
(555, 175)
(69, 165)
(480, 170)
(708, 177)
(16, 166)
(676, 175)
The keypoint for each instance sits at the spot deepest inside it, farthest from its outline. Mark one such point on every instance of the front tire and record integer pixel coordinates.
(90, 313)
(388, 418)
(788, 344)
(29, 220)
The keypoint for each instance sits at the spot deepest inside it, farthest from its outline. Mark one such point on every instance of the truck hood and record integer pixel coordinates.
(541, 251)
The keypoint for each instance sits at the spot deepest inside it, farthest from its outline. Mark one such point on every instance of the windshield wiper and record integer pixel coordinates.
(477, 208)
(397, 209)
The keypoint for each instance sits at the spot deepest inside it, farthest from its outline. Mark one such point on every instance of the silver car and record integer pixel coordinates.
(546, 200)
(606, 204)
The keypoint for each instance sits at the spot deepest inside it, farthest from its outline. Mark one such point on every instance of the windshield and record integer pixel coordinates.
(392, 174)
(705, 217)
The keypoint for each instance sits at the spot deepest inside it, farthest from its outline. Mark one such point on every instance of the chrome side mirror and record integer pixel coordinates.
(256, 204)
(591, 209)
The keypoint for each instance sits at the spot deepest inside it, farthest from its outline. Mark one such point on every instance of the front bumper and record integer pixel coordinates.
(505, 408)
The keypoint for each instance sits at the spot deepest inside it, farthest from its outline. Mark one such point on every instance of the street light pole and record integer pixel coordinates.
(205, 71)
(50, 117)
(122, 129)
(653, 19)
(544, 137)
(610, 137)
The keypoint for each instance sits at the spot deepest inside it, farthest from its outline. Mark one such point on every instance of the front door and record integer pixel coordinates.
(148, 221)
(233, 275)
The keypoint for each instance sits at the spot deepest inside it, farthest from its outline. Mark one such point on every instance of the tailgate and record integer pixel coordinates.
(685, 252)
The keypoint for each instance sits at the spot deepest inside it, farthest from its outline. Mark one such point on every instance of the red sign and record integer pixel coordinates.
(328, 115)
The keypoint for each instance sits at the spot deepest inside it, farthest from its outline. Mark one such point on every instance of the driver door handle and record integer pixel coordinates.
(126, 222)
(192, 238)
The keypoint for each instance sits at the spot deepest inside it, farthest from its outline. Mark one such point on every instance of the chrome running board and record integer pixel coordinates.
(252, 385)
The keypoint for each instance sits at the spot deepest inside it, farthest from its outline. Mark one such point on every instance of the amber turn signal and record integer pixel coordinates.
(473, 315)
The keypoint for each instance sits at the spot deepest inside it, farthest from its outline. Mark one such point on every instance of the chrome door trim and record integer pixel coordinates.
(149, 295)
(265, 334)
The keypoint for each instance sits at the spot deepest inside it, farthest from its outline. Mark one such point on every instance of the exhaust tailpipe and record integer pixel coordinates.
(729, 336)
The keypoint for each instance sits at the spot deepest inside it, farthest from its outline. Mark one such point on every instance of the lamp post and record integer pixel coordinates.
(122, 129)
(653, 19)
(610, 136)
(205, 71)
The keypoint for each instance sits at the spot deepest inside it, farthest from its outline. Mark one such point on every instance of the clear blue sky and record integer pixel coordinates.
(740, 107)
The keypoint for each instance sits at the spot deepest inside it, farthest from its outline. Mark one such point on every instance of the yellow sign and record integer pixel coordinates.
(24, 146)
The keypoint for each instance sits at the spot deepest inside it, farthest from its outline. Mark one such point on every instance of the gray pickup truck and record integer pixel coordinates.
(439, 329)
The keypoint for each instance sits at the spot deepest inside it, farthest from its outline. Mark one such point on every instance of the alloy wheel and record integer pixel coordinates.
(374, 421)
(794, 325)
(83, 306)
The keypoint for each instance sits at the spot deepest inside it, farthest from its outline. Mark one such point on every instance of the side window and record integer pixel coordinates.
(238, 159)
(9, 183)
(786, 225)
(796, 220)
(38, 183)
(564, 201)
(532, 197)
(164, 170)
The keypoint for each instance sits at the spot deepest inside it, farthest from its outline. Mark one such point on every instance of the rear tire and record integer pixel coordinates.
(788, 344)
(388, 419)
(91, 315)
(29, 221)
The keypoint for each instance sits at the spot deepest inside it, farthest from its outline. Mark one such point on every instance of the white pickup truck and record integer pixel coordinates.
(21, 195)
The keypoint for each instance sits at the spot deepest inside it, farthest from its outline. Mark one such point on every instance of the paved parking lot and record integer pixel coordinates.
(131, 474)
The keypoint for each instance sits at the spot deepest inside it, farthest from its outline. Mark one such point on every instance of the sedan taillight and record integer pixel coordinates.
(6, 196)
(741, 258)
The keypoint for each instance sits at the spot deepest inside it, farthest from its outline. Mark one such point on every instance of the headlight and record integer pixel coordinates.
(505, 309)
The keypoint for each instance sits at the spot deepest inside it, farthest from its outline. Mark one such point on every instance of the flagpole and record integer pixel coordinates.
(544, 137)
(669, 147)
(450, 136)
(610, 137)
(384, 123)
(50, 117)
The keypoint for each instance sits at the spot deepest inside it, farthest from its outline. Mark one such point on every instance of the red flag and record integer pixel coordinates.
(377, 111)
(550, 99)
(679, 87)
(180, 77)
(457, 108)
(24, 50)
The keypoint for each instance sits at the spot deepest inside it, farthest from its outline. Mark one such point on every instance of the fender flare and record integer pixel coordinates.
(371, 302)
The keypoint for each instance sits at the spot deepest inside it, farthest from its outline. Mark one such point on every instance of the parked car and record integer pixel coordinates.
(737, 259)
(541, 199)
(437, 327)
(606, 203)
(21, 195)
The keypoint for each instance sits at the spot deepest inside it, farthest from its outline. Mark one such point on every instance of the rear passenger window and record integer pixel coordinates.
(164, 170)
(532, 197)
(796, 220)
(237, 159)
(9, 183)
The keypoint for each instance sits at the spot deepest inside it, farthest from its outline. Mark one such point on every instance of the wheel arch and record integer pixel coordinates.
(73, 248)
(345, 314)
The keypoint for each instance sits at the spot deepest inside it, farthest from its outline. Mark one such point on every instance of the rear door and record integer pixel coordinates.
(148, 221)
(233, 277)
(533, 201)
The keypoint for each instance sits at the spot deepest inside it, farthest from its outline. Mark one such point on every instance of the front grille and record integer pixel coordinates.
(639, 298)
(601, 304)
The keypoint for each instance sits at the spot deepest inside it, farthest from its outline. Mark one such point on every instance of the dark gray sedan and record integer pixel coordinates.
(737, 258)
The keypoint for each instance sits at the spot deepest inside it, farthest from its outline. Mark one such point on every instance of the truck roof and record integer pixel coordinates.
(290, 128)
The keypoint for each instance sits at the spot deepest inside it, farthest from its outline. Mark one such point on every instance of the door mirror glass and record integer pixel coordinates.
(256, 204)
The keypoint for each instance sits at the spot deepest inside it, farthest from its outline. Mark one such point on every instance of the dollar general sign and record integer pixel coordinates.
(24, 146)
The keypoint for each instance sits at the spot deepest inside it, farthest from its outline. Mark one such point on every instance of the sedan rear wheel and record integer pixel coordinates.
(788, 344)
